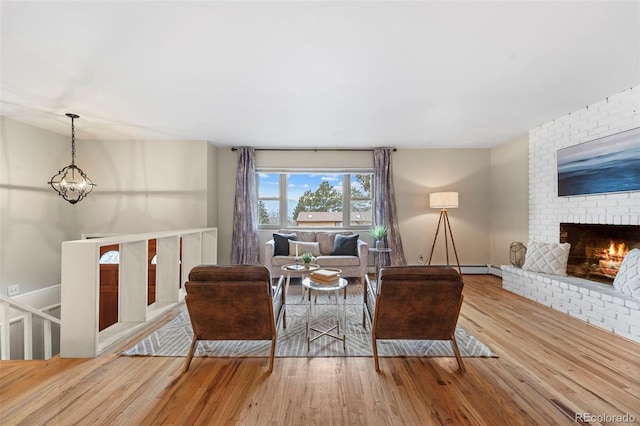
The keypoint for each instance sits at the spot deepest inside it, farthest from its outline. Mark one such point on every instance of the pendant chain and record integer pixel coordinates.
(73, 143)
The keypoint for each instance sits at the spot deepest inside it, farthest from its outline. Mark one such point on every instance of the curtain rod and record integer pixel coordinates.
(315, 149)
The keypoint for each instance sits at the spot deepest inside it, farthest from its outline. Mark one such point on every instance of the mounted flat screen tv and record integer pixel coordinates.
(609, 164)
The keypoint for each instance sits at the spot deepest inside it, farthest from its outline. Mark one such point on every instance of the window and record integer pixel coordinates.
(110, 258)
(321, 198)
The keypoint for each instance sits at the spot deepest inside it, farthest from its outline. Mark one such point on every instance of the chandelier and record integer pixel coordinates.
(71, 183)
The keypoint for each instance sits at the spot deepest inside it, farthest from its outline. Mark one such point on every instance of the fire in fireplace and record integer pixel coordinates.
(597, 251)
(609, 259)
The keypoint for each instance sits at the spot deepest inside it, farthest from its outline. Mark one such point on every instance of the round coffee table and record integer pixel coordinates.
(320, 287)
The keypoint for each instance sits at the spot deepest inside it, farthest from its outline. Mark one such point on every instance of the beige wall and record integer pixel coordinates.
(34, 220)
(226, 194)
(419, 172)
(144, 186)
(212, 185)
(509, 197)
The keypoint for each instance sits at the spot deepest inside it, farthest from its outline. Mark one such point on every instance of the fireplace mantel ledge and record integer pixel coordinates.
(596, 303)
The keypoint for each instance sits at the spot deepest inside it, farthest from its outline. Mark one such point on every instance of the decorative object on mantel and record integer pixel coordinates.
(378, 232)
(444, 201)
(517, 253)
(608, 164)
(71, 183)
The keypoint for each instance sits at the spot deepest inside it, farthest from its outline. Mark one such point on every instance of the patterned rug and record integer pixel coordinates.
(174, 338)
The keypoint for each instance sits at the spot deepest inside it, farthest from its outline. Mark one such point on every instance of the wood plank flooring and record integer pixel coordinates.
(550, 367)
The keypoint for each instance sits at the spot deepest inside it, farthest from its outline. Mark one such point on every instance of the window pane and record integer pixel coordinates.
(314, 199)
(361, 204)
(269, 212)
(268, 198)
(269, 185)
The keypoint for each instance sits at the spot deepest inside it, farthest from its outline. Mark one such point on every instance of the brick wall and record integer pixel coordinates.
(609, 116)
(598, 304)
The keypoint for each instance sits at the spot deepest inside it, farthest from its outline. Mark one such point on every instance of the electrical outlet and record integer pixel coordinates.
(13, 290)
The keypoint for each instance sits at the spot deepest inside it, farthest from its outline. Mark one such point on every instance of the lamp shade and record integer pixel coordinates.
(443, 200)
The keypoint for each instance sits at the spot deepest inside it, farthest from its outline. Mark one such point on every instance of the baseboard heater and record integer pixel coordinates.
(469, 269)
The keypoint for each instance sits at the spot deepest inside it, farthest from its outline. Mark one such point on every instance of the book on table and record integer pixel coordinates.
(325, 276)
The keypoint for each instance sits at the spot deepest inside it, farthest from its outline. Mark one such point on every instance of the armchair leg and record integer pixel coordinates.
(456, 351)
(375, 352)
(284, 286)
(272, 354)
(364, 317)
(190, 356)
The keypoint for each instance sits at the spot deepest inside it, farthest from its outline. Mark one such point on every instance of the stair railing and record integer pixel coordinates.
(28, 312)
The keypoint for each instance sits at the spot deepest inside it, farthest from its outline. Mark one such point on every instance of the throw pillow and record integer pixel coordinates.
(304, 247)
(327, 239)
(345, 245)
(627, 279)
(547, 258)
(282, 243)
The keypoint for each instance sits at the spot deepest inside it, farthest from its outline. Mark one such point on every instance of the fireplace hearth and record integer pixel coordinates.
(597, 250)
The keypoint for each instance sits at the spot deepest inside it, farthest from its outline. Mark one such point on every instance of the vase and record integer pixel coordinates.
(378, 244)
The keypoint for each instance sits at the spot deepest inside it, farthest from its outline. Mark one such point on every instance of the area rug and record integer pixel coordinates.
(174, 338)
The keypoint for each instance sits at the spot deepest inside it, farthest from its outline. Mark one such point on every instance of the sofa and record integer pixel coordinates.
(348, 254)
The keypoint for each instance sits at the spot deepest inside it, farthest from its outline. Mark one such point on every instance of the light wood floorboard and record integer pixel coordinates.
(550, 367)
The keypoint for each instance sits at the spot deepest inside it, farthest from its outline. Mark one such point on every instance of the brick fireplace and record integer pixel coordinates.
(597, 303)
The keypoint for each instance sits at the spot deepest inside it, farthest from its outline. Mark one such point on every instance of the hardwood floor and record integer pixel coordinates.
(550, 367)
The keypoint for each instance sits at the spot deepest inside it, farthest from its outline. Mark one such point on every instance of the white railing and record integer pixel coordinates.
(28, 312)
(177, 252)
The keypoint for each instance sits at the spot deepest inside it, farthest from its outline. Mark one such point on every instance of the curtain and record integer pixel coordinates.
(384, 206)
(244, 245)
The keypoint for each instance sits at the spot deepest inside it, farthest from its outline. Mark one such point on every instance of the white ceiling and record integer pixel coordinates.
(313, 74)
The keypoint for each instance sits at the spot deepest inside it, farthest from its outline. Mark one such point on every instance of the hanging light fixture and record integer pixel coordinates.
(71, 183)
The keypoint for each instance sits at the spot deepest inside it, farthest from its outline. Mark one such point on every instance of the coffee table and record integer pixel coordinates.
(319, 287)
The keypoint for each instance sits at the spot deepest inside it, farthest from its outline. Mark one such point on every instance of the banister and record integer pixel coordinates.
(27, 308)
(81, 335)
(28, 312)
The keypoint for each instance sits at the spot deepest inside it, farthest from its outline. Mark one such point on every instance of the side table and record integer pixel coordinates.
(312, 286)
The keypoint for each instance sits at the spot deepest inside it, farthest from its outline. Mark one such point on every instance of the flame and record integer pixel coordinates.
(617, 250)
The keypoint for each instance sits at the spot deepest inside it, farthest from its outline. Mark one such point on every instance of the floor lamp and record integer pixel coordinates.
(444, 201)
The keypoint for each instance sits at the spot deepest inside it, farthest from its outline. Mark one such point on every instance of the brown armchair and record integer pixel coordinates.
(417, 303)
(236, 302)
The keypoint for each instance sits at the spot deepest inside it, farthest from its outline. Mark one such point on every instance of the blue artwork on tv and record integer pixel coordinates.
(609, 164)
